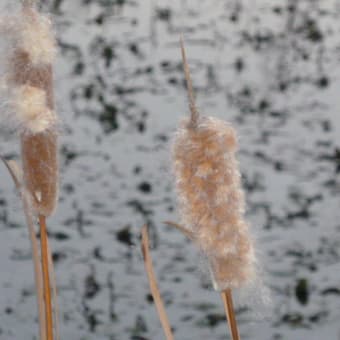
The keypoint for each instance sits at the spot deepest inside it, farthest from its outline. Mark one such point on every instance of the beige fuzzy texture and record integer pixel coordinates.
(30, 83)
(35, 36)
(30, 105)
(210, 195)
(211, 199)
(26, 78)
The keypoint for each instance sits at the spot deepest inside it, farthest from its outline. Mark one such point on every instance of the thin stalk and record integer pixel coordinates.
(230, 313)
(54, 293)
(153, 285)
(37, 270)
(188, 233)
(46, 277)
(17, 178)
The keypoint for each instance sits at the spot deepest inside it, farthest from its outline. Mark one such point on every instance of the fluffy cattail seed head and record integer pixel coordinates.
(210, 196)
(40, 164)
(30, 87)
(30, 105)
(34, 35)
(211, 199)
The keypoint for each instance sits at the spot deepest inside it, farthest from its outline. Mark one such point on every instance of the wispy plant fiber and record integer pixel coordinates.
(210, 195)
(29, 83)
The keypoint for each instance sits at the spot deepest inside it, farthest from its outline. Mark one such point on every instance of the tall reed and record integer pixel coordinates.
(211, 199)
(17, 177)
(154, 286)
(31, 105)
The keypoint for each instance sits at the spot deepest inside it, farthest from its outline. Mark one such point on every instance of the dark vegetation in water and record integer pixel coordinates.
(124, 95)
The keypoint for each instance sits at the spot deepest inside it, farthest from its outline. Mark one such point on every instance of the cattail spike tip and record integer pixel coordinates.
(192, 105)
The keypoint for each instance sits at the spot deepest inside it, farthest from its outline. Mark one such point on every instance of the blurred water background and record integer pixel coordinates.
(269, 67)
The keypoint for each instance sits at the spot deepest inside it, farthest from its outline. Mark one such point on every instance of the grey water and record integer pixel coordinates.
(271, 68)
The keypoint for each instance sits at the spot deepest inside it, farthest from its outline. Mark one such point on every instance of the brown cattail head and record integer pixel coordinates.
(30, 80)
(210, 197)
(40, 164)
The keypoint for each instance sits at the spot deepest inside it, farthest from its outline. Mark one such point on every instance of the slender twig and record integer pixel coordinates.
(192, 105)
(230, 313)
(153, 285)
(37, 268)
(14, 171)
(189, 234)
(46, 278)
(54, 293)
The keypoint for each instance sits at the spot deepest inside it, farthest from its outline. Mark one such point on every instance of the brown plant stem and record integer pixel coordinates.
(14, 171)
(189, 234)
(37, 269)
(46, 277)
(54, 293)
(153, 285)
(230, 313)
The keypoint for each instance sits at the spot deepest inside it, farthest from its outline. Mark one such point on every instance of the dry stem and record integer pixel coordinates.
(189, 234)
(37, 269)
(14, 171)
(153, 285)
(54, 293)
(230, 313)
(46, 277)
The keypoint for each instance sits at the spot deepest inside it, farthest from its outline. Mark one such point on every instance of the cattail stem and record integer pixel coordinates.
(37, 270)
(14, 171)
(192, 105)
(54, 293)
(46, 277)
(153, 285)
(230, 313)
(189, 234)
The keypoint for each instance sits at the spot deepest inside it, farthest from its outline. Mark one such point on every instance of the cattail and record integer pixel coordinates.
(210, 196)
(31, 106)
(30, 80)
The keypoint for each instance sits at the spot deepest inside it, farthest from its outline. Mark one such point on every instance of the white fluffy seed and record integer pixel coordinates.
(30, 108)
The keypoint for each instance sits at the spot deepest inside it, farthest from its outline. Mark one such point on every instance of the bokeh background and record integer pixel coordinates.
(269, 67)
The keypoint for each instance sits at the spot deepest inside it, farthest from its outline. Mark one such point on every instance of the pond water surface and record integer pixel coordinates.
(269, 67)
